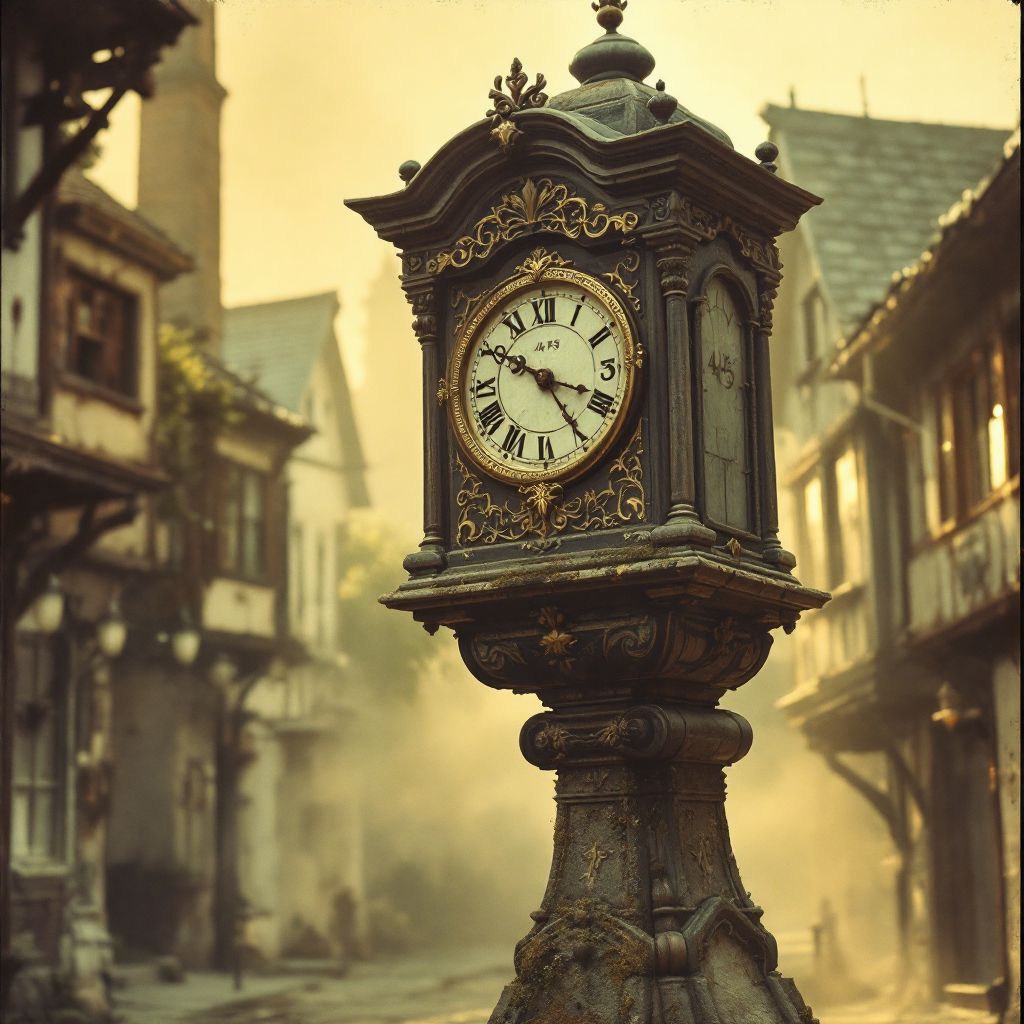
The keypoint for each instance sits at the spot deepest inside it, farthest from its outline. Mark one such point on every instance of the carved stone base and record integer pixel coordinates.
(645, 919)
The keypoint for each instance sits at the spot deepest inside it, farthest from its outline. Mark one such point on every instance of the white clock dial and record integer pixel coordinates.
(545, 378)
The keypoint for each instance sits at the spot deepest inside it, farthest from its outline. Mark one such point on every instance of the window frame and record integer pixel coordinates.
(741, 299)
(126, 384)
(961, 439)
(232, 522)
(56, 719)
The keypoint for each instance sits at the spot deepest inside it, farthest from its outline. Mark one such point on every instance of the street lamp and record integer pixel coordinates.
(48, 609)
(185, 641)
(223, 671)
(112, 632)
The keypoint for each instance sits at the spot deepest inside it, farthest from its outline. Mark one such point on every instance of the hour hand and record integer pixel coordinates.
(578, 388)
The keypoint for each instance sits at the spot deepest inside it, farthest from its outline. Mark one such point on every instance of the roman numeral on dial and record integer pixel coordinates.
(602, 335)
(491, 417)
(600, 403)
(514, 322)
(514, 441)
(543, 311)
(484, 388)
(544, 450)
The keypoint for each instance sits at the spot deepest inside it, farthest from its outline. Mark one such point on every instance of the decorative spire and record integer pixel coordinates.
(519, 99)
(611, 55)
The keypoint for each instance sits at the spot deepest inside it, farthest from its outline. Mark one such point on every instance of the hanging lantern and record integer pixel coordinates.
(112, 631)
(48, 609)
(185, 641)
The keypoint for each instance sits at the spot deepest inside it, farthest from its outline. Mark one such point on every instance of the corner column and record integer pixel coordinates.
(682, 525)
(773, 551)
(430, 558)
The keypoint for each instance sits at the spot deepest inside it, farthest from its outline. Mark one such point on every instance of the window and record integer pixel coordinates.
(242, 520)
(321, 586)
(815, 327)
(849, 553)
(727, 475)
(101, 334)
(972, 420)
(37, 795)
(297, 574)
(814, 523)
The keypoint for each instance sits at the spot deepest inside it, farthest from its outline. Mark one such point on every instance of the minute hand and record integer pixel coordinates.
(568, 419)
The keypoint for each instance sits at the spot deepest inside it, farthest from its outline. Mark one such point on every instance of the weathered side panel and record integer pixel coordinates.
(960, 574)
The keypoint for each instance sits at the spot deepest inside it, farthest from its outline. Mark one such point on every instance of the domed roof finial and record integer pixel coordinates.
(612, 55)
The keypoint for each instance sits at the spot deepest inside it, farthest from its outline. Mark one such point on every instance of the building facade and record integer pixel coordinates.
(302, 873)
(903, 480)
(80, 471)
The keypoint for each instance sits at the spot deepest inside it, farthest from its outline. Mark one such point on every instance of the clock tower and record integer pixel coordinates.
(592, 278)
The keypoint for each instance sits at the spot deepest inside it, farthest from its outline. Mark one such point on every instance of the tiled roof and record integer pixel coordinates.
(970, 206)
(246, 395)
(885, 185)
(75, 190)
(75, 187)
(277, 343)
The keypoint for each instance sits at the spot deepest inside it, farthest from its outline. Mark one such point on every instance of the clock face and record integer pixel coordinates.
(542, 377)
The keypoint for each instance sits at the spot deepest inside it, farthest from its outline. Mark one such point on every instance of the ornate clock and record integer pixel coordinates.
(542, 377)
(592, 281)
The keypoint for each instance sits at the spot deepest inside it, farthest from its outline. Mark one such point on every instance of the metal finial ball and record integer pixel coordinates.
(661, 105)
(408, 170)
(766, 152)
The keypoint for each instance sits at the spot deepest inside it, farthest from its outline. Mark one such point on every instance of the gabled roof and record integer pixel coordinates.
(885, 185)
(277, 343)
(993, 204)
(88, 209)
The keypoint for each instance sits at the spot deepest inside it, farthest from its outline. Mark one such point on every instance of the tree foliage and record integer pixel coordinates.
(194, 404)
(386, 649)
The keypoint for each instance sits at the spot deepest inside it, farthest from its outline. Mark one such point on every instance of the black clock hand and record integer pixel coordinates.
(517, 364)
(568, 419)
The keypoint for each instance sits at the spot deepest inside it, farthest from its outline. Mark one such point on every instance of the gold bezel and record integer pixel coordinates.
(458, 414)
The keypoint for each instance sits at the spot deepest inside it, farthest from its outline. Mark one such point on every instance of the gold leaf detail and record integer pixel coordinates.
(549, 206)
(541, 511)
(538, 262)
(595, 857)
(506, 133)
(442, 391)
(629, 265)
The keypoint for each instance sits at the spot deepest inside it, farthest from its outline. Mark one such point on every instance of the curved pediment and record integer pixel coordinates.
(471, 170)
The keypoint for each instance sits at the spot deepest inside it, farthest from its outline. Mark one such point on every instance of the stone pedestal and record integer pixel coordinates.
(645, 919)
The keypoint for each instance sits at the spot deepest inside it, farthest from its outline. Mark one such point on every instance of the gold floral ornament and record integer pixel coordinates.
(556, 643)
(594, 857)
(543, 513)
(540, 205)
(553, 736)
(629, 265)
(536, 264)
(442, 391)
(520, 98)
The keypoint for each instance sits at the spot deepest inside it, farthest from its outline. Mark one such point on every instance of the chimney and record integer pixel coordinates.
(179, 173)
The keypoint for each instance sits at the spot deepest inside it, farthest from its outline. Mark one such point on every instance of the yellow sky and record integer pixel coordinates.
(328, 97)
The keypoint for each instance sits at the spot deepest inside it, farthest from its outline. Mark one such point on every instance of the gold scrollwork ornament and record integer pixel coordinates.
(549, 206)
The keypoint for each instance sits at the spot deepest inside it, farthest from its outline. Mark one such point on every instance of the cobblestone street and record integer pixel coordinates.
(458, 987)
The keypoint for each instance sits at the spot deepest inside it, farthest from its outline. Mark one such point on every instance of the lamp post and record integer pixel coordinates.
(592, 282)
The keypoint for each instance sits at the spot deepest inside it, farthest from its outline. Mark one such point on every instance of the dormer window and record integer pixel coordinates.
(101, 332)
(815, 327)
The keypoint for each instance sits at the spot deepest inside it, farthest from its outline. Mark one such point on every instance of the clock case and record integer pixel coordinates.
(632, 632)
(655, 215)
